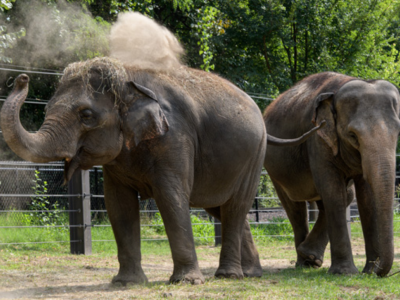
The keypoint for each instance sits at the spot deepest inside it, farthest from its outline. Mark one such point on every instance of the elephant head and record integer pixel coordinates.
(362, 129)
(95, 111)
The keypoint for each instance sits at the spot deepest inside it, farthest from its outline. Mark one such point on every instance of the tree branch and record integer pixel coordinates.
(266, 56)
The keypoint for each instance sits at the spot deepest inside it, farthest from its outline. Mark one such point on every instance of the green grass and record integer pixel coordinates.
(47, 269)
(53, 273)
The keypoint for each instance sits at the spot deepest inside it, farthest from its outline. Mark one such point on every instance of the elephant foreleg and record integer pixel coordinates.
(313, 248)
(368, 218)
(174, 209)
(123, 211)
(335, 199)
(250, 260)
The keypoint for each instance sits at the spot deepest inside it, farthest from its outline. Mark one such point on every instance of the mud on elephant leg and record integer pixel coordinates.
(250, 259)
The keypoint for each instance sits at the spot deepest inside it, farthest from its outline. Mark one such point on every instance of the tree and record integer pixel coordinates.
(7, 40)
(285, 40)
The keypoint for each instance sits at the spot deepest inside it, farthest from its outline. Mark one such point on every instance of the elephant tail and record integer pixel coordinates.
(271, 140)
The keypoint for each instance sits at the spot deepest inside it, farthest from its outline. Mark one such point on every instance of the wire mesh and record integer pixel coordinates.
(21, 183)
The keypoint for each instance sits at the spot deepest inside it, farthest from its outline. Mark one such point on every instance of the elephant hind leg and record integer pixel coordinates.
(297, 214)
(313, 248)
(250, 260)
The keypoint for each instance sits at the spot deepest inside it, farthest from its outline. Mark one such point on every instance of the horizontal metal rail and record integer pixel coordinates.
(43, 226)
(37, 196)
(49, 242)
(29, 68)
(27, 163)
(31, 72)
(39, 211)
(28, 102)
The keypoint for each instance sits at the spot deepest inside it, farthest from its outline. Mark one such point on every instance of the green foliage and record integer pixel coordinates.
(7, 40)
(6, 5)
(279, 228)
(203, 229)
(287, 40)
(206, 19)
(266, 189)
(44, 213)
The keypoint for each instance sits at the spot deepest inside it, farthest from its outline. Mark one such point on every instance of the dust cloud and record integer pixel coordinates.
(56, 34)
(137, 40)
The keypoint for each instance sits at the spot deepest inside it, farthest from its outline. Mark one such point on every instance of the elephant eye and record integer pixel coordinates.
(354, 138)
(86, 114)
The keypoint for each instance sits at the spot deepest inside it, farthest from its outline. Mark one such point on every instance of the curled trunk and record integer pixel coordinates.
(35, 147)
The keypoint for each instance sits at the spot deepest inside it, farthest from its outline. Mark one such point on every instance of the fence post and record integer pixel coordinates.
(313, 213)
(257, 212)
(218, 232)
(348, 219)
(80, 185)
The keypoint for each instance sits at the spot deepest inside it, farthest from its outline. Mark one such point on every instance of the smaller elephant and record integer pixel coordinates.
(358, 144)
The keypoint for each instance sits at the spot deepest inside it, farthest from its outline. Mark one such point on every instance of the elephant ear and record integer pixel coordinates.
(324, 110)
(144, 118)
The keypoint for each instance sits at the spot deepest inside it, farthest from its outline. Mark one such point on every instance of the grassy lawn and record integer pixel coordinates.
(49, 271)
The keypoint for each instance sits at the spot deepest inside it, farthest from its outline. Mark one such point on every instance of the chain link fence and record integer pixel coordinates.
(35, 196)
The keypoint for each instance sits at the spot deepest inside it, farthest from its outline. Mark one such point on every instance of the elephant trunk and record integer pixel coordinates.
(379, 172)
(36, 147)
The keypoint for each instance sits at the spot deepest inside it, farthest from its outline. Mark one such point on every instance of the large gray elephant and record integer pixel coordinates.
(185, 138)
(357, 144)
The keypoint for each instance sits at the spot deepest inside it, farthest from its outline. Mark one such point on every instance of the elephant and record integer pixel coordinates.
(356, 150)
(185, 138)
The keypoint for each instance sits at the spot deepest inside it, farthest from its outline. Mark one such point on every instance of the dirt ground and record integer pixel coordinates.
(88, 277)
(39, 276)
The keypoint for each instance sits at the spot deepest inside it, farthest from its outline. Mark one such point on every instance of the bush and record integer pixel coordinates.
(44, 213)
(266, 189)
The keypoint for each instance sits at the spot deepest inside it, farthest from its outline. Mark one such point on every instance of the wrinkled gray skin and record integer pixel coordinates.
(186, 140)
(357, 144)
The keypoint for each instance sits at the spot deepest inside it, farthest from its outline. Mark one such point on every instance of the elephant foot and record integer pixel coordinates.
(229, 272)
(343, 268)
(194, 277)
(308, 263)
(131, 278)
(369, 268)
(309, 259)
(252, 270)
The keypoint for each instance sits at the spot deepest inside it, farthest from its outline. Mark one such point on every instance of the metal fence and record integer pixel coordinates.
(34, 196)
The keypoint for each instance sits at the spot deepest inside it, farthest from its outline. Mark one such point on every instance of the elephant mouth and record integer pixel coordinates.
(84, 159)
(70, 166)
(73, 164)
